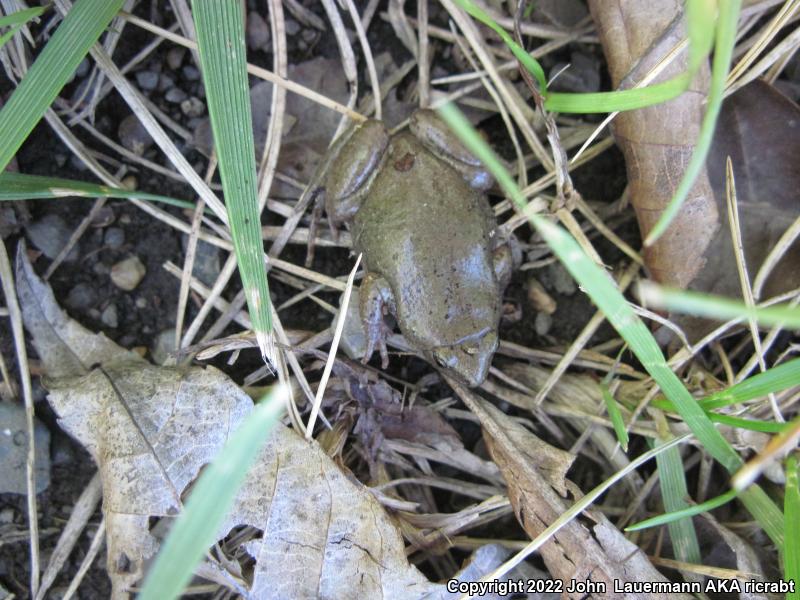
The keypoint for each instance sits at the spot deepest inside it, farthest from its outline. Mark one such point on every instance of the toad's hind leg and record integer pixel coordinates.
(376, 300)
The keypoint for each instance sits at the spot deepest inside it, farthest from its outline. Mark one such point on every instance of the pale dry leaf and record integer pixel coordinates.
(325, 534)
(65, 347)
(151, 430)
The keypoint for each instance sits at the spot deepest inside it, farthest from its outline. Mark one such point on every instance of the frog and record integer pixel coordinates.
(416, 206)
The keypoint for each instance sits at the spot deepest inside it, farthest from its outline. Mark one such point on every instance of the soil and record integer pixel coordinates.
(151, 307)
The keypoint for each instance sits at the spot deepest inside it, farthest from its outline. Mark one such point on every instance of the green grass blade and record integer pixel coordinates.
(195, 529)
(523, 57)
(221, 44)
(19, 186)
(10, 33)
(612, 303)
(750, 424)
(21, 17)
(718, 307)
(791, 511)
(17, 21)
(674, 493)
(701, 26)
(55, 64)
(602, 102)
(723, 51)
(616, 416)
(775, 379)
(685, 513)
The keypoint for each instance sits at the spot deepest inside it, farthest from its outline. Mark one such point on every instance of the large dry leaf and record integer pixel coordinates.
(151, 429)
(759, 129)
(658, 141)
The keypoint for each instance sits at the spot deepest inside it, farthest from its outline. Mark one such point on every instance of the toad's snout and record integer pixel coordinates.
(468, 361)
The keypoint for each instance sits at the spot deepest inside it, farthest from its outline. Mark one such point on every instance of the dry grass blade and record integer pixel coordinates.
(744, 277)
(15, 315)
(337, 335)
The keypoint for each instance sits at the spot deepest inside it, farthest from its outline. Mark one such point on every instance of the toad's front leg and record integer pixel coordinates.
(375, 301)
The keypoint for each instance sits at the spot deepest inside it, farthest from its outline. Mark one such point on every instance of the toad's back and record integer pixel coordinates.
(430, 235)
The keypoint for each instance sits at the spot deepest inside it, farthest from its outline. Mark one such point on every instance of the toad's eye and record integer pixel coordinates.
(444, 359)
(471, 349)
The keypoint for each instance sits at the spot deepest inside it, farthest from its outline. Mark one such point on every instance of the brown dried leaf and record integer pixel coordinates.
(658, 141)
(759, 129)
(534, 472)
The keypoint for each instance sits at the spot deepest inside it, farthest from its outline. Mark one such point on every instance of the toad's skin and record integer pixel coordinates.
(416, 207)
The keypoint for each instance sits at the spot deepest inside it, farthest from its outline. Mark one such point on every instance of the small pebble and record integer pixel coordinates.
(292, 27)
(62, 453)
(109, 317)
(104, 217)
(141, 302)
(165, 82)
(354, 337)
(539, 298)
(163, 346)
(193, 107)
(258, 32)
(81, 297)
(147, 80)
(175, 57)
(101, 268)
(581, 76)
(9, 224)
(133, 135)
(128, 273)
(129, 182)
(14, 450)
(77, 164)
(175, 95)
(190, 73)
(6, 516)
(563, 283)
(83, 69)
(50, 234)
(114, 237)
(542, 324)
